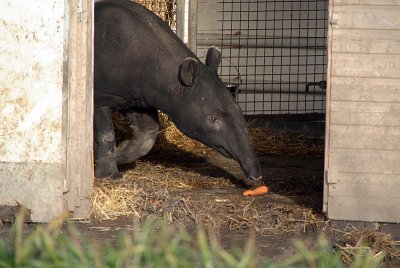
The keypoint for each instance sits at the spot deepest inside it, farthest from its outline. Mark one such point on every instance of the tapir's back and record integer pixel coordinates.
(132, 19)
(132, 44)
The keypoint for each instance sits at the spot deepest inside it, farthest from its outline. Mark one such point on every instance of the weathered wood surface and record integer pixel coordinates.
(368, 137)
(368, 2)
(366, 65)
(367, 208)
(363, 121)
(380, 114)
(78, 108)
(367, 17)
(365, 161)
(365, 89)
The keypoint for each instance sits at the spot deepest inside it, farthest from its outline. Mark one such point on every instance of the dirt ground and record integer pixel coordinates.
(192, 190)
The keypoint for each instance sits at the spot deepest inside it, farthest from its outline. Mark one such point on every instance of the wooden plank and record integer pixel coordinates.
(365, 119)
(364, 209)
(328, 110)
(192, 27)
(368, 2)
(365, 89)
(78, 108)
(365, 137)
(365, 114)
(365, 178)
(366, 65)
(360, 190)
(364, 160)
(367, 17)
(366, 41)
(365, 107)
(180, 18)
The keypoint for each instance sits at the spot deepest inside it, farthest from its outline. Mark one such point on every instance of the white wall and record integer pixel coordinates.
(31, 103)
(31, 64)
(46, 106)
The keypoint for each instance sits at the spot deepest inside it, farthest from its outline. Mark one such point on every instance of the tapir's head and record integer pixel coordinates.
(207, 112)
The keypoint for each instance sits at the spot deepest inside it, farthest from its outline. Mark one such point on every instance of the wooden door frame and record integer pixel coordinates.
(78, 107)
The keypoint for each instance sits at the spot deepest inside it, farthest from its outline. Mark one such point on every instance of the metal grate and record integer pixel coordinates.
(165, 9)
(274, 53)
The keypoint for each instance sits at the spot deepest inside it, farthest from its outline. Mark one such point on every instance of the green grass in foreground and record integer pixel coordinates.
(153, 245)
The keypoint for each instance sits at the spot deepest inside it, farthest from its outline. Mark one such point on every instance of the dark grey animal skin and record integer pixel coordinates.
(141, 66)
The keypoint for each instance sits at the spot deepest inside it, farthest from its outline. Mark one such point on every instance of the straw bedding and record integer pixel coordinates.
(167, 183)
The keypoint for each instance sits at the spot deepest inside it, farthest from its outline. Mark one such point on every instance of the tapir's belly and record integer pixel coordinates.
(118, 101)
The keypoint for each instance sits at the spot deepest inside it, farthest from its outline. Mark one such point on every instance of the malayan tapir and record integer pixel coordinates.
(140, 67)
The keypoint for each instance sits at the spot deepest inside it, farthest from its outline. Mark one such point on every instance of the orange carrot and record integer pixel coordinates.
(257, 191)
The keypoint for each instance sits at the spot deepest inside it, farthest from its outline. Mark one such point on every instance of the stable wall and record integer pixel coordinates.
(45, 76)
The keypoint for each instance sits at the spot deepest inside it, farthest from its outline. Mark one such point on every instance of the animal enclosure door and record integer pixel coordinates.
(362, 152)
(46, 106)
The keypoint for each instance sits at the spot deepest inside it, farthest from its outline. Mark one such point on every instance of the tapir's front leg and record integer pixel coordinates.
(104, 144)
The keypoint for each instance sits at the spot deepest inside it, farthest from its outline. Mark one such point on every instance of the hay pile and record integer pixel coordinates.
(186, 197)
(353, 240)
(284, 143)
(170, 138)
(165, 9)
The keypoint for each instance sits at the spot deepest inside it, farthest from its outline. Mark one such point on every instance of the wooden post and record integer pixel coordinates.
(180, 18)
(78, 109)
(192, 31)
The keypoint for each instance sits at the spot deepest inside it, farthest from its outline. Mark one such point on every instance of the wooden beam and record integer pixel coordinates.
(78, 108)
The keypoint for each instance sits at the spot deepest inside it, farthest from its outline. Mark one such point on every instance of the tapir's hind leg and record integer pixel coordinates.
(144, 125)
(104, 144)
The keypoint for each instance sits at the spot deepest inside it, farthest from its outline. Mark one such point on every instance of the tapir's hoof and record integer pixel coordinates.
(106, 168)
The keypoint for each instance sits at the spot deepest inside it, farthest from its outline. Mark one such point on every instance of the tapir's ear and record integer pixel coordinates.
(213, 58)
(188, 71)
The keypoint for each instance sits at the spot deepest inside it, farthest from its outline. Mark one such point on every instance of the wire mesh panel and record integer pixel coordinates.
(274, 52)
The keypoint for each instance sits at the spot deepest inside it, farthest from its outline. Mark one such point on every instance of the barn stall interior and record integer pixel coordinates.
(275, 65)
(292, 158)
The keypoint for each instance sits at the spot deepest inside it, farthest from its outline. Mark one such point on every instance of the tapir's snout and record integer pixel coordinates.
(246, 156)
(252, 168)
(236, 143)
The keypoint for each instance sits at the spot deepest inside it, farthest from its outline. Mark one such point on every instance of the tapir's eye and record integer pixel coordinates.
(214, 119)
